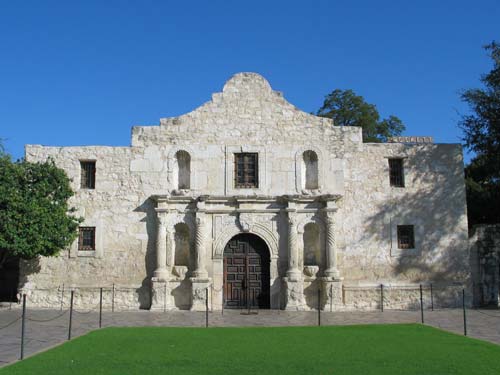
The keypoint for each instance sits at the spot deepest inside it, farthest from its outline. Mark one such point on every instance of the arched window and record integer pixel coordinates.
(312, 245)
(182, 245)
(183, 172)
(310, 170)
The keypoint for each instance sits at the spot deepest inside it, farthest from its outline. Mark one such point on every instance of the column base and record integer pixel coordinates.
(199, 288)
(161, 274)
(294, 275)
(332, 273)
(161, 295)
(331, 294)
(199, 274)
(295, 300)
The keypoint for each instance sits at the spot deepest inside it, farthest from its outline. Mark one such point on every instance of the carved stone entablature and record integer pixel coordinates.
(263, 231)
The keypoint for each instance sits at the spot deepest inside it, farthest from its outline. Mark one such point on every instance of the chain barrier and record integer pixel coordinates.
(11, 323)
(492, 316)
(46, 320)
(87, 312)
(217, 290)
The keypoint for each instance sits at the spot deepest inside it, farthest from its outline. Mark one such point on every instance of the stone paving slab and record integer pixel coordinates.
(46, 328)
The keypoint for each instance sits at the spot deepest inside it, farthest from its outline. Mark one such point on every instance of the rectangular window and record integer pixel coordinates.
(86, 238)
(406, 237)
(246, 171)
(396, 172)
(87, 174)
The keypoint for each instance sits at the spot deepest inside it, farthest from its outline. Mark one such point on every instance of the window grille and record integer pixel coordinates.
(87, 174)
(86, 238)
(396, 173)
(246, 170)
(406, 237)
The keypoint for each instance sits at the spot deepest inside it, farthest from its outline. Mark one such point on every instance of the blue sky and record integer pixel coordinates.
(83, 73)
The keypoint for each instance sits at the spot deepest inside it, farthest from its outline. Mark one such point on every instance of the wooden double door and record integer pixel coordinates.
(246, 273)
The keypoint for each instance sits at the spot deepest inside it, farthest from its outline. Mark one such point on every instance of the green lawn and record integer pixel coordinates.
(372, 349)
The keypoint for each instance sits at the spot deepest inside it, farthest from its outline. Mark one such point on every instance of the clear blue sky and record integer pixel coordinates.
(82, 73)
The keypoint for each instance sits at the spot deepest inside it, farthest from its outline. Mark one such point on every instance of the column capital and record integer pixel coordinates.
(162, 218)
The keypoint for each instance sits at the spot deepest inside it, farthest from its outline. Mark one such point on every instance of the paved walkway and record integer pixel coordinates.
(46, 328)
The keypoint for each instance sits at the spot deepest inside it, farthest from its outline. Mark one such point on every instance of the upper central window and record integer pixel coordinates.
(246, 170)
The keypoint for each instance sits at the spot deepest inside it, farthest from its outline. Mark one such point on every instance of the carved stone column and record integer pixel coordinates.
(200, 281)
(161, 273)
(293, 272)
(293, 281)
(331, 248)
(200, 245)
(171, 251)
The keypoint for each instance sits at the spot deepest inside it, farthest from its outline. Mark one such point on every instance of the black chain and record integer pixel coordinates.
(46, 320)
(11, 323)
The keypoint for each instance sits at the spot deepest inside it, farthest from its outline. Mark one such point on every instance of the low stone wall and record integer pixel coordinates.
(367, 297)
(401, 297)
(88, 298)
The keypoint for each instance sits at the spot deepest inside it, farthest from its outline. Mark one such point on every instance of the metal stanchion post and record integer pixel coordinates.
(432, 299)
(113, 299)
(62, 297)
(319, 307)
(331, 298)
(465, 316)
(165, 298)
(70, 314)
(382, 297)
(421, 305)
(206, 308)
(23, 326)
(100, 309)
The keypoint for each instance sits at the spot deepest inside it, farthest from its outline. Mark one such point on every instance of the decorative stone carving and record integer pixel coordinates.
(161, 295)
(331, 294)
(199, 293)
(246, 221)
(295, 300)
(180, 271)
(311, 271)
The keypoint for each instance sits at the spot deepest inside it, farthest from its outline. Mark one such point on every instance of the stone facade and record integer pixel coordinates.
(165, 208)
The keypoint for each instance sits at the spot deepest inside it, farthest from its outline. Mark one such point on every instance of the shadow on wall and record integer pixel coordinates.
(144, 292)
(433, 201)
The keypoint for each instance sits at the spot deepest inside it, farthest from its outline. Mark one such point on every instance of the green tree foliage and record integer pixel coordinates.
(348, 109)
(34, 215)
(482, 135)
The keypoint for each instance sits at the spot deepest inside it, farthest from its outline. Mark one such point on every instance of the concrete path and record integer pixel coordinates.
(46, 328)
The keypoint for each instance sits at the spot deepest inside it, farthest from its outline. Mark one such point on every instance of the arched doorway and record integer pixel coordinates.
(246, 272)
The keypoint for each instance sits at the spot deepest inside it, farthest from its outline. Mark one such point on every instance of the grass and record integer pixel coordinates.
(372, 349)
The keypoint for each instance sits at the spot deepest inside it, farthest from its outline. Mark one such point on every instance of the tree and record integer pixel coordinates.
(348, 109)
(34, 215)
(482, 136)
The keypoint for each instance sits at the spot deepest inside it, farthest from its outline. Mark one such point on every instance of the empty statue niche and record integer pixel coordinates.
(310, 170)
(182, 170)
(182, 266)
(312, 264)
(182, 245)
(312, 245)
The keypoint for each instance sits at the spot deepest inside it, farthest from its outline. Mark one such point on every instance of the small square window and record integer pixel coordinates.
(86, 238)
(246, 170)
(406, 237)
(396, 172)
(87, 174)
